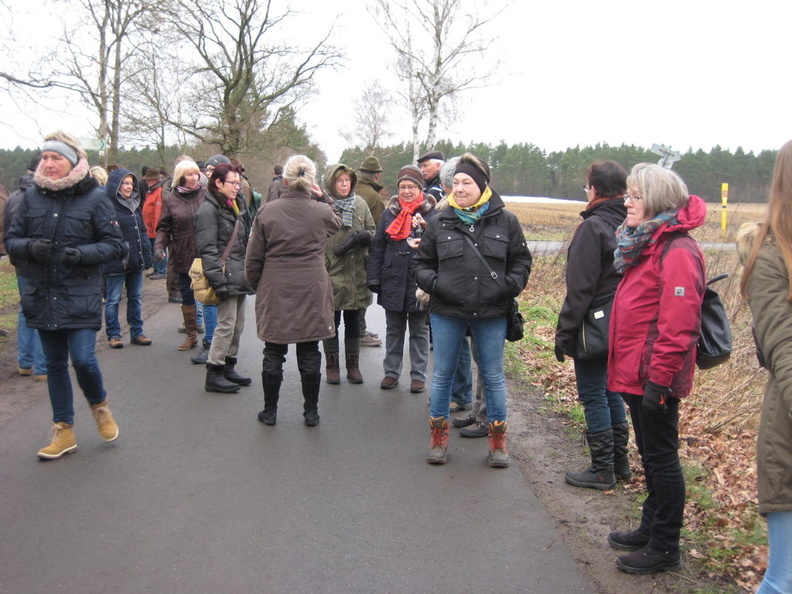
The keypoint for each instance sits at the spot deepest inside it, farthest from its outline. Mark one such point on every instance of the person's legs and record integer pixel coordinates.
(352, 345)
(490, 336)
(210, 322)
(462, 390)
(419, 344)
(114, 285)
(591, 377)
(82, 349)
(778, 577)
(309, 362)
(56, 353)
(134, 288)
(448, 334)
(239, 326)
(396, 326)
(225, 328)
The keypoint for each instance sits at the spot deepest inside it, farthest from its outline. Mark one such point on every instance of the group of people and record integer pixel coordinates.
(445, 259)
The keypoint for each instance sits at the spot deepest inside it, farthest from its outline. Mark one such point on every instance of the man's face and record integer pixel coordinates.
(430, 168)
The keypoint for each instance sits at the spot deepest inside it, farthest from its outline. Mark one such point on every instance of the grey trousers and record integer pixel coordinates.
(397, 323)
(230, 323)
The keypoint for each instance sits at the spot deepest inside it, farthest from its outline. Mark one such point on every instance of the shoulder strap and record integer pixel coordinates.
(492, 273)
(231, 243)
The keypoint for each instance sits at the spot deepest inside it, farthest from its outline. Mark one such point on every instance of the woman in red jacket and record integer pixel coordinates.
(655, 325)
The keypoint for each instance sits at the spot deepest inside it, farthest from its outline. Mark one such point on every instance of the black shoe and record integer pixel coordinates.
(268, 417)
(648, 561)
(633, 540)
(591, 479)
(174, 299)
(311, 419)
(460, 422)
(478, 430)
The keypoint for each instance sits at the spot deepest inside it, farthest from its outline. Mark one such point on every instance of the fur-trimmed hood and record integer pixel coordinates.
(429, 203)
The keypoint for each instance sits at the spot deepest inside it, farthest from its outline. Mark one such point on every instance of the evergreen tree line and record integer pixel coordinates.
(526, 170)
(517, 170)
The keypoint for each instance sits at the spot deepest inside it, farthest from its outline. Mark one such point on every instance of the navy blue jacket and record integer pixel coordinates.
(58, 296)
(130, 221)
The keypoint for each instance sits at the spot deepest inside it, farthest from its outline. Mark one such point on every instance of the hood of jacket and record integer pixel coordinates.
(689, 217)
(330, 173)
(114, 181)
(429, 203)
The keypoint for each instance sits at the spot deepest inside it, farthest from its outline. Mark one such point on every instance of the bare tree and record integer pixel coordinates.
(245, 72)
(372, 117)
(439, 48)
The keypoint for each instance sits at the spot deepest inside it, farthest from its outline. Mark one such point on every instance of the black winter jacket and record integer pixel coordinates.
(130, 221)
(214, 226)
(390, 264)
(58, 296)
(459, 283)
(591, 278)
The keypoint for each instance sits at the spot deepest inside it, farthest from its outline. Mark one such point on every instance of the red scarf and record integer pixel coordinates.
(401, 227)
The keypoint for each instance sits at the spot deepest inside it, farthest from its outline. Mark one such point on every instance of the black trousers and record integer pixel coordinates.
(309, 358)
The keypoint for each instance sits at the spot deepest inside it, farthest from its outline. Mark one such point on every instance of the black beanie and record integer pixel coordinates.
(477, 174)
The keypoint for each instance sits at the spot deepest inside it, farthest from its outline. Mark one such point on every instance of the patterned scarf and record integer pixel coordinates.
(401, 227)
(471, 215)
(631, 241)
(347, 208)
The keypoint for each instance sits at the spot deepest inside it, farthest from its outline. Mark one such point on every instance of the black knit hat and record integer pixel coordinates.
(475, 168)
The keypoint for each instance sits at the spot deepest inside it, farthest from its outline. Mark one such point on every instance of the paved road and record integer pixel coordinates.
(198, 496)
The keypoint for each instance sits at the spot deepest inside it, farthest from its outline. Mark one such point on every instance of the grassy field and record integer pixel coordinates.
(719, 419)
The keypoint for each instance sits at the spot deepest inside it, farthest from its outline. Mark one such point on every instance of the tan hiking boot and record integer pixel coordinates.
(438, 446)
(105, 422)
(62, 441)
(498, 456)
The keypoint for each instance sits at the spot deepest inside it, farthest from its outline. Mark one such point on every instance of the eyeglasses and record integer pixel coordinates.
(234, 183)
(629, 196)
(408, 188)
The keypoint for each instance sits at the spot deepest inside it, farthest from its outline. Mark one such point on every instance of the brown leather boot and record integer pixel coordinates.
(332, 371)
(190, 323)
(353, 367)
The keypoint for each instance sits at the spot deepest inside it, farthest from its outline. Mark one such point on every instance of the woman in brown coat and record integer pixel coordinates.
(176, 230)
(294, 298)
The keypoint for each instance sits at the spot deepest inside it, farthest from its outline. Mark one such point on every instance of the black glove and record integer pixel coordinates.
(352, 241)
(39, 249)
(374, 288)
(70, 256)
(654, 400)
(559, 353)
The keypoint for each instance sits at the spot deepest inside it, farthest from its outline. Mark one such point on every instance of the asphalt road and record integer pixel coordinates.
(197, 496)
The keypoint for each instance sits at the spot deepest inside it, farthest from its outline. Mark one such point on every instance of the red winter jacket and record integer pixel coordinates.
(656, 318)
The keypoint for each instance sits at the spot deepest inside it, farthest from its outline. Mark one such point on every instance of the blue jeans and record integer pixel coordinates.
(80, 344)
(114, 285)
(29, 351)
(603, 409)
(462, 390)
(778, 577)
(489, 334)
(210, 322)
(658, 444)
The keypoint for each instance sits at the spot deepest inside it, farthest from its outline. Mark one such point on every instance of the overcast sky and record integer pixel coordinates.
(685, 73)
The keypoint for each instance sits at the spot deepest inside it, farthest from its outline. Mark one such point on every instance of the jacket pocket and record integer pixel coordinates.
(76, 227)
(495, 245)
(449, 246)
(85, 302)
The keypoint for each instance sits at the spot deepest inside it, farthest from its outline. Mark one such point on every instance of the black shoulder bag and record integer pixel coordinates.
(515, 321)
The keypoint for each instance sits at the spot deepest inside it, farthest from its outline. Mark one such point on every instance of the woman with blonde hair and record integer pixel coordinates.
(285, 264)
(176, 233)
(64, 229)
(766, 250)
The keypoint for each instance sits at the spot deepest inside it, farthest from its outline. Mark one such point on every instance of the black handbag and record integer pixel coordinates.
(592, 338)
(715, 342)
(514, 321)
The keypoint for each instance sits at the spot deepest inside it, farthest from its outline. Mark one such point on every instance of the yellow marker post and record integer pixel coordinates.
(724, 202)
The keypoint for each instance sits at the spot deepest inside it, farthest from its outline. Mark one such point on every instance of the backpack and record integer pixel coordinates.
(715, 342)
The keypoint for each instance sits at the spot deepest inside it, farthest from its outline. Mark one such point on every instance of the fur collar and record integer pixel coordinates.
(429, 203)
(75, 176)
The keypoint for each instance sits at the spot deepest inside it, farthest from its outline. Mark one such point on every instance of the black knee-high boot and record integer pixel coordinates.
(310, 388)
(272, 384)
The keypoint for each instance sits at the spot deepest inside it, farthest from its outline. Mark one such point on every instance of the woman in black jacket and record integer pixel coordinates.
(390, 275)
(64, 229)
(223, 220)
(127, 271)
(591, 282)
(468, 294)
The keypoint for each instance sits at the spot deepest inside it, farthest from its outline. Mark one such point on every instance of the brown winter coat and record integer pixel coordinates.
(285, 263)
(767, 289)
(176, 227)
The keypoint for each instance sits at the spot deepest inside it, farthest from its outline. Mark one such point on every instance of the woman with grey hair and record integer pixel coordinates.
(64, 229)
(655, 325)
(285, 263)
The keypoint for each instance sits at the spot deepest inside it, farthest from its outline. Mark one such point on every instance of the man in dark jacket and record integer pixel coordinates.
(369, 189)
(430, 164)
(65, 229)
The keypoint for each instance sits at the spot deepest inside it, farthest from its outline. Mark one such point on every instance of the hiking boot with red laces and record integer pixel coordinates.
(438, 445)
(498, 456)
